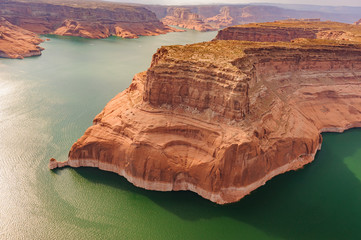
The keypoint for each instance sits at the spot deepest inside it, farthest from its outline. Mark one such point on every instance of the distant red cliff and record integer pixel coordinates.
(83, 19)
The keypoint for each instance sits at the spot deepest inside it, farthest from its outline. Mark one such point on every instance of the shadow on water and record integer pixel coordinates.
(321, 201)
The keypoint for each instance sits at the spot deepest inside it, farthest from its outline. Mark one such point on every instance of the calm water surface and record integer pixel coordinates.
(46, 104)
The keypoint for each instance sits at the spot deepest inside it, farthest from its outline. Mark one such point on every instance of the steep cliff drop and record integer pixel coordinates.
(221, 118)
(184, 18)
(16, 42)
(82, 18)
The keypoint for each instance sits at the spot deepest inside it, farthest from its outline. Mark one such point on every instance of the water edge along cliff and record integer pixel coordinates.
(221, 118)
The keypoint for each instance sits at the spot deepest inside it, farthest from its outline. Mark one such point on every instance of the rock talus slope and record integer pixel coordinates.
(16, 42)
(221, 118)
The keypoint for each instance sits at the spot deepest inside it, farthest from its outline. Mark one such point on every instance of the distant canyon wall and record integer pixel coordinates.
(220, 16)
(83, 19)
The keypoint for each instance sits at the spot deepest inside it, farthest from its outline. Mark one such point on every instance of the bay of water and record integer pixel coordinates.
(46, 104)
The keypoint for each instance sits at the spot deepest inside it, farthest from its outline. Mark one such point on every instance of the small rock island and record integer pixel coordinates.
(221, 118)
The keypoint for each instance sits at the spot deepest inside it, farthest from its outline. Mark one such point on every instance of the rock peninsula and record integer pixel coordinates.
(16, 42)
(221, 118)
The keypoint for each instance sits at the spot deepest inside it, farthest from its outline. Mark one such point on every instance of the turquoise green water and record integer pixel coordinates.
(47, 102)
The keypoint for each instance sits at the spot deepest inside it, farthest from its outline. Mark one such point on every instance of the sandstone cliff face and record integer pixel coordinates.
(83, 19)
(291, 29)
(222, 118)
(16, 42)
(184, 18)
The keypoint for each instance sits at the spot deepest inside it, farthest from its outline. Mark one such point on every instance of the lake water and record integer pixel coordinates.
(46, 104)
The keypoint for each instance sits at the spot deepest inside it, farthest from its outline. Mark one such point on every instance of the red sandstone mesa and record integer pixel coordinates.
(221, 118)
(81, 18)
(16, 42)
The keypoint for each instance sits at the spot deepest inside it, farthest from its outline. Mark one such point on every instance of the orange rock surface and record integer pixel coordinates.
(358, 22)
(16, 42)
(221, 118)
(184, 18)
(83, 18)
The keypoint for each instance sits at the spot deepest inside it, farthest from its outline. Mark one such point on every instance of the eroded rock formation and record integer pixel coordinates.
(16, 42)
(83, 18)
(184, 18)
(221, 118)
(358, 22)
(288, 30)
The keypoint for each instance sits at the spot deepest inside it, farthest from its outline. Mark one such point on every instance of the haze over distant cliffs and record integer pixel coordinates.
(220, 16)
(221, 118)
(183, 17)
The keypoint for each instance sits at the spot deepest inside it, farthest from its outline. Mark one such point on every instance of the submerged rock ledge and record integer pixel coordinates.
(221, 118)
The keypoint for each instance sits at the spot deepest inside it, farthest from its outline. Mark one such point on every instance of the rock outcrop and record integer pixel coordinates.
(83, 18)
(16, 42)
(220, 16)
(221, 118)
(291, 29)
(184, 18)
(358, 22)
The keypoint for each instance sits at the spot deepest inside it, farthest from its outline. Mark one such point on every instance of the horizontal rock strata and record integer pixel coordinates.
(222, 118)
(16, 42)
(291, 29)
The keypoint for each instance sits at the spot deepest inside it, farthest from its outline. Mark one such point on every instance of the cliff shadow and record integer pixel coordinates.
(320, 201)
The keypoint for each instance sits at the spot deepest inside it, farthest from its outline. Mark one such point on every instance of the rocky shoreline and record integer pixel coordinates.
(16, 42)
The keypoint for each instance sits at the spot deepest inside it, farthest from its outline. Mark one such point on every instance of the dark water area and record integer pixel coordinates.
(46, 104)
